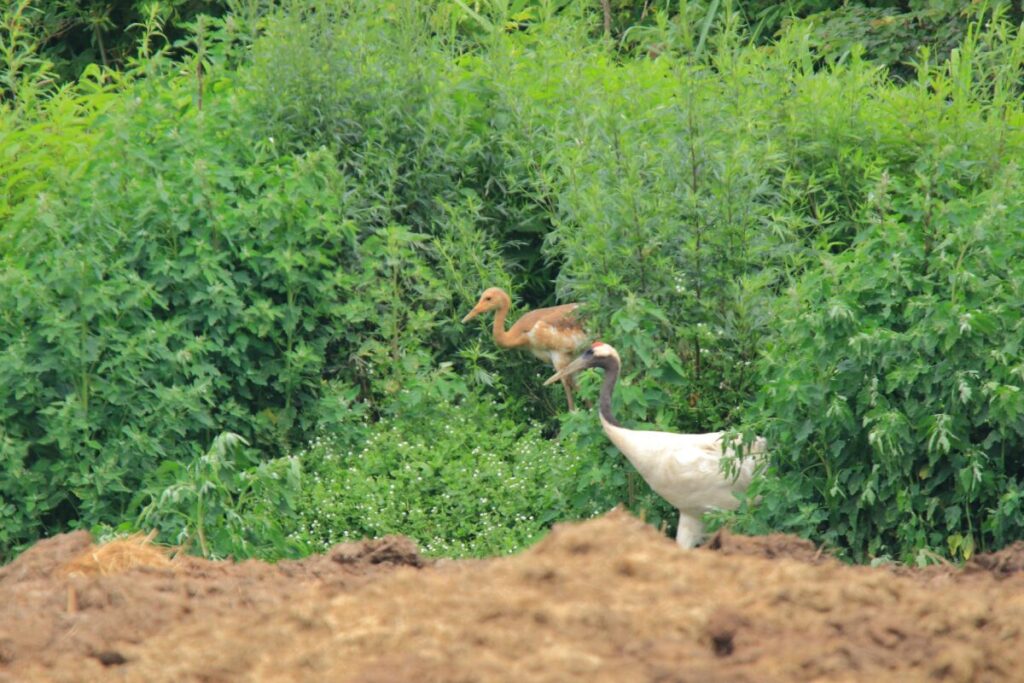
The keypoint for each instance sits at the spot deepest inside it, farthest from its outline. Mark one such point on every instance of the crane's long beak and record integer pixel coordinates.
(472, 314)
(575, 366)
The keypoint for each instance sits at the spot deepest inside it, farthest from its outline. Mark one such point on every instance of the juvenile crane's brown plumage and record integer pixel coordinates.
(551, 334)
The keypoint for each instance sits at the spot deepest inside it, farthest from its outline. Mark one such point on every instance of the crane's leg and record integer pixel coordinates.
(568, 393)
(690, 531)
(559, 360)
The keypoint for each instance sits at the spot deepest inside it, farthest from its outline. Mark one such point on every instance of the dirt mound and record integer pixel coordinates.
(42, 560)
(773, 546)
(1008, 561)
(68, 608)
(610, 599)
(393, 551)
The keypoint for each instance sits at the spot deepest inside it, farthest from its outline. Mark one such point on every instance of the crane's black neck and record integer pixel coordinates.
(611, 375)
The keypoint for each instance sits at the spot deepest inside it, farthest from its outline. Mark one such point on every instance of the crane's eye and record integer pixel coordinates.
(487, 298)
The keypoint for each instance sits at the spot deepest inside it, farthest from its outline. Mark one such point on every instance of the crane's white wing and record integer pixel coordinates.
(685, 469)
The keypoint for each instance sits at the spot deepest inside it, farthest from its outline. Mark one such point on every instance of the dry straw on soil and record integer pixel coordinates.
(119, 555)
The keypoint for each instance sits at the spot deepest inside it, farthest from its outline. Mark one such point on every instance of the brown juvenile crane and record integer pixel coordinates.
(551, 334)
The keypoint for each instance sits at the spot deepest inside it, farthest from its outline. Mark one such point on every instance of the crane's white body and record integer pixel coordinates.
(686, 470)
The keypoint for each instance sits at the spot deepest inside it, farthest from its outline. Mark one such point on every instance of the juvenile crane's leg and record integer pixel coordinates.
(558, 361)
(568, 393)
(690, 531)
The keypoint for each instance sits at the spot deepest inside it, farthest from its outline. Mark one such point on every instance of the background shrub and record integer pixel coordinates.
(222, 504)
(463, 478)
(74, 34)
(893, 388)
(186, 278)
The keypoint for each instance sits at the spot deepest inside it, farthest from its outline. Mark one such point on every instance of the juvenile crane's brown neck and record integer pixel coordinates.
(501, 336)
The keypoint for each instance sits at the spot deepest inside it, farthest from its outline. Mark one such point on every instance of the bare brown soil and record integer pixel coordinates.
(606, 600)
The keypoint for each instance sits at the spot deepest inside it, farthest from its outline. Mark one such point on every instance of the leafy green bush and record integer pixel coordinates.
(424, 131)
(887, 35)
(169, 276)
(894, 390)
(223, 503)
(153, 300)
(670, 227)
(888, 385)
(74, 34)
(461, 477)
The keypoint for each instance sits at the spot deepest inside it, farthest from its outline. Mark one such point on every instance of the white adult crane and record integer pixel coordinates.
(684, 469)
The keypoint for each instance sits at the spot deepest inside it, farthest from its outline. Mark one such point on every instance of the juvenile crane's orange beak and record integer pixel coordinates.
(472, 314)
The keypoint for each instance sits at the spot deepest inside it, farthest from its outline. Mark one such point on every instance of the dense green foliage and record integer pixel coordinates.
(221, 503)
(464, 479)
(73, 34)
(160, 295)
(231, 274)
(891, 384)
(177, 274)
(907, 349)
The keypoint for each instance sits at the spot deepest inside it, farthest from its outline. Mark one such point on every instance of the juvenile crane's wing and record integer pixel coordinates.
(554, 329)
(560, 335)
(531, 318)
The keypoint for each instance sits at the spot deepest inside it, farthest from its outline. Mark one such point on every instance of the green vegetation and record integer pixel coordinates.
(232, 270)
(464, 479)
(72, 34)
